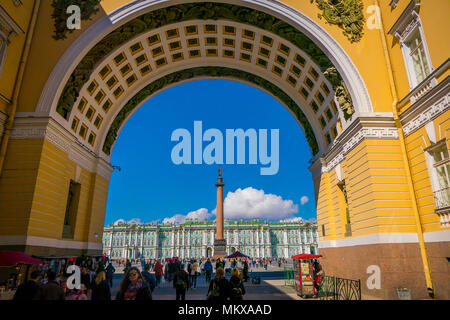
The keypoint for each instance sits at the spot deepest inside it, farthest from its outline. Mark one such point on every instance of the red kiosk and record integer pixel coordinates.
(304, 274)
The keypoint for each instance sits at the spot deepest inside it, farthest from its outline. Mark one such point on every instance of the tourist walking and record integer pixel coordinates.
(110, 273)
(219, 287)
(158, 272)
(237, 287)
(133, 287)
(51, 290)
(181, 283)
(245, 271)
(28, 290)
(193, 274)
(319, 275)
(149, 277)
(100, 287)
(171, 269)
(208, 270)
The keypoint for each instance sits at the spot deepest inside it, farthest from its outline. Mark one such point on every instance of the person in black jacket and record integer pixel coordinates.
(237, 289)
(133, 287)
(181, 283)
(219, 287)
(51, 290)
(86, 278)
(100, 287)
(28, 290)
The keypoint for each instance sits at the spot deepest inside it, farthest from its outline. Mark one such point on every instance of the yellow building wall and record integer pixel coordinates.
(17, 185)
(416, 143)
(21, 15)
(368, 49)
(377, 190)
(34, 188)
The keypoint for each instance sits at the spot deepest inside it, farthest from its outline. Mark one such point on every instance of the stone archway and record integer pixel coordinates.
(260, 57)
(133, 53)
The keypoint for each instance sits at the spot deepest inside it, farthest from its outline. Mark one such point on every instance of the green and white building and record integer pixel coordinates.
(260, 239)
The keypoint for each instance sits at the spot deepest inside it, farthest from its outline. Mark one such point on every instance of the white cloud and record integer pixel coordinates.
(199, 215)
(250, 203)
(132, 221)
(304, 200)
(295, 219)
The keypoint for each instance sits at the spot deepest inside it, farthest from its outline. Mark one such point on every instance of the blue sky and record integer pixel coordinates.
(151, 187)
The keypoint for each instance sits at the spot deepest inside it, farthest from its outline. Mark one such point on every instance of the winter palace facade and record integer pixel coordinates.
(195, 239)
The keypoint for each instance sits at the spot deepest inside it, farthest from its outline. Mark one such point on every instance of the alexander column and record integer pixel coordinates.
(220, 243)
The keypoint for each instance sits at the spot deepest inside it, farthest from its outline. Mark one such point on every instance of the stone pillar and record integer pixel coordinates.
(220, 243)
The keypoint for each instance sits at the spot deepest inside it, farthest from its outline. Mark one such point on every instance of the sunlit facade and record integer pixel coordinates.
(194, 240)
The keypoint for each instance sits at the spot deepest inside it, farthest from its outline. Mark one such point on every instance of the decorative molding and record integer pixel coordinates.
(426, 86)
(106, 24)
(87, 8)
(407, 20)
(364, 133)
(8, 25)
(187, 12)
(427, 115)
(378, 126)
(221, 72)
(393, 4)
(347, 14)
(17, 3)
(422, 89)
(3, 118)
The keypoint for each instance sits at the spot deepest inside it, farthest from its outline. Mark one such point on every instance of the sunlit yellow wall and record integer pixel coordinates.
(17, 185)
(434, 17)
(416, 143)
(377, 189)
(21, 15)
(34, 189)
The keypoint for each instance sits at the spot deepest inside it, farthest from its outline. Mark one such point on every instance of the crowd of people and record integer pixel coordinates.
(49, 282)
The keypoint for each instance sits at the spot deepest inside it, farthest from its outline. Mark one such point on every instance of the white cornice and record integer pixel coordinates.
(48, 242)
(430, 106)
(371, 125)
(407, 20)
(379, 238)
(50, 130)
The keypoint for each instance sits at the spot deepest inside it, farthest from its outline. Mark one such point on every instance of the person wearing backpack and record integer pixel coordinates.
(193, 274)
(158, 272)
(181, 283)
(150, 278)
(237, 287)
(219, 287)
(208, 270)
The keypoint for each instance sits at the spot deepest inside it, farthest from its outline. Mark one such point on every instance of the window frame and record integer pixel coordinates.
(407, 56)
(432, 165)
(403, 29)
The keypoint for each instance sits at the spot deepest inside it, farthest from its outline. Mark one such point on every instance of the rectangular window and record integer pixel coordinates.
(416, 57)
(73, 198)
(439, 164)
(344, 201)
